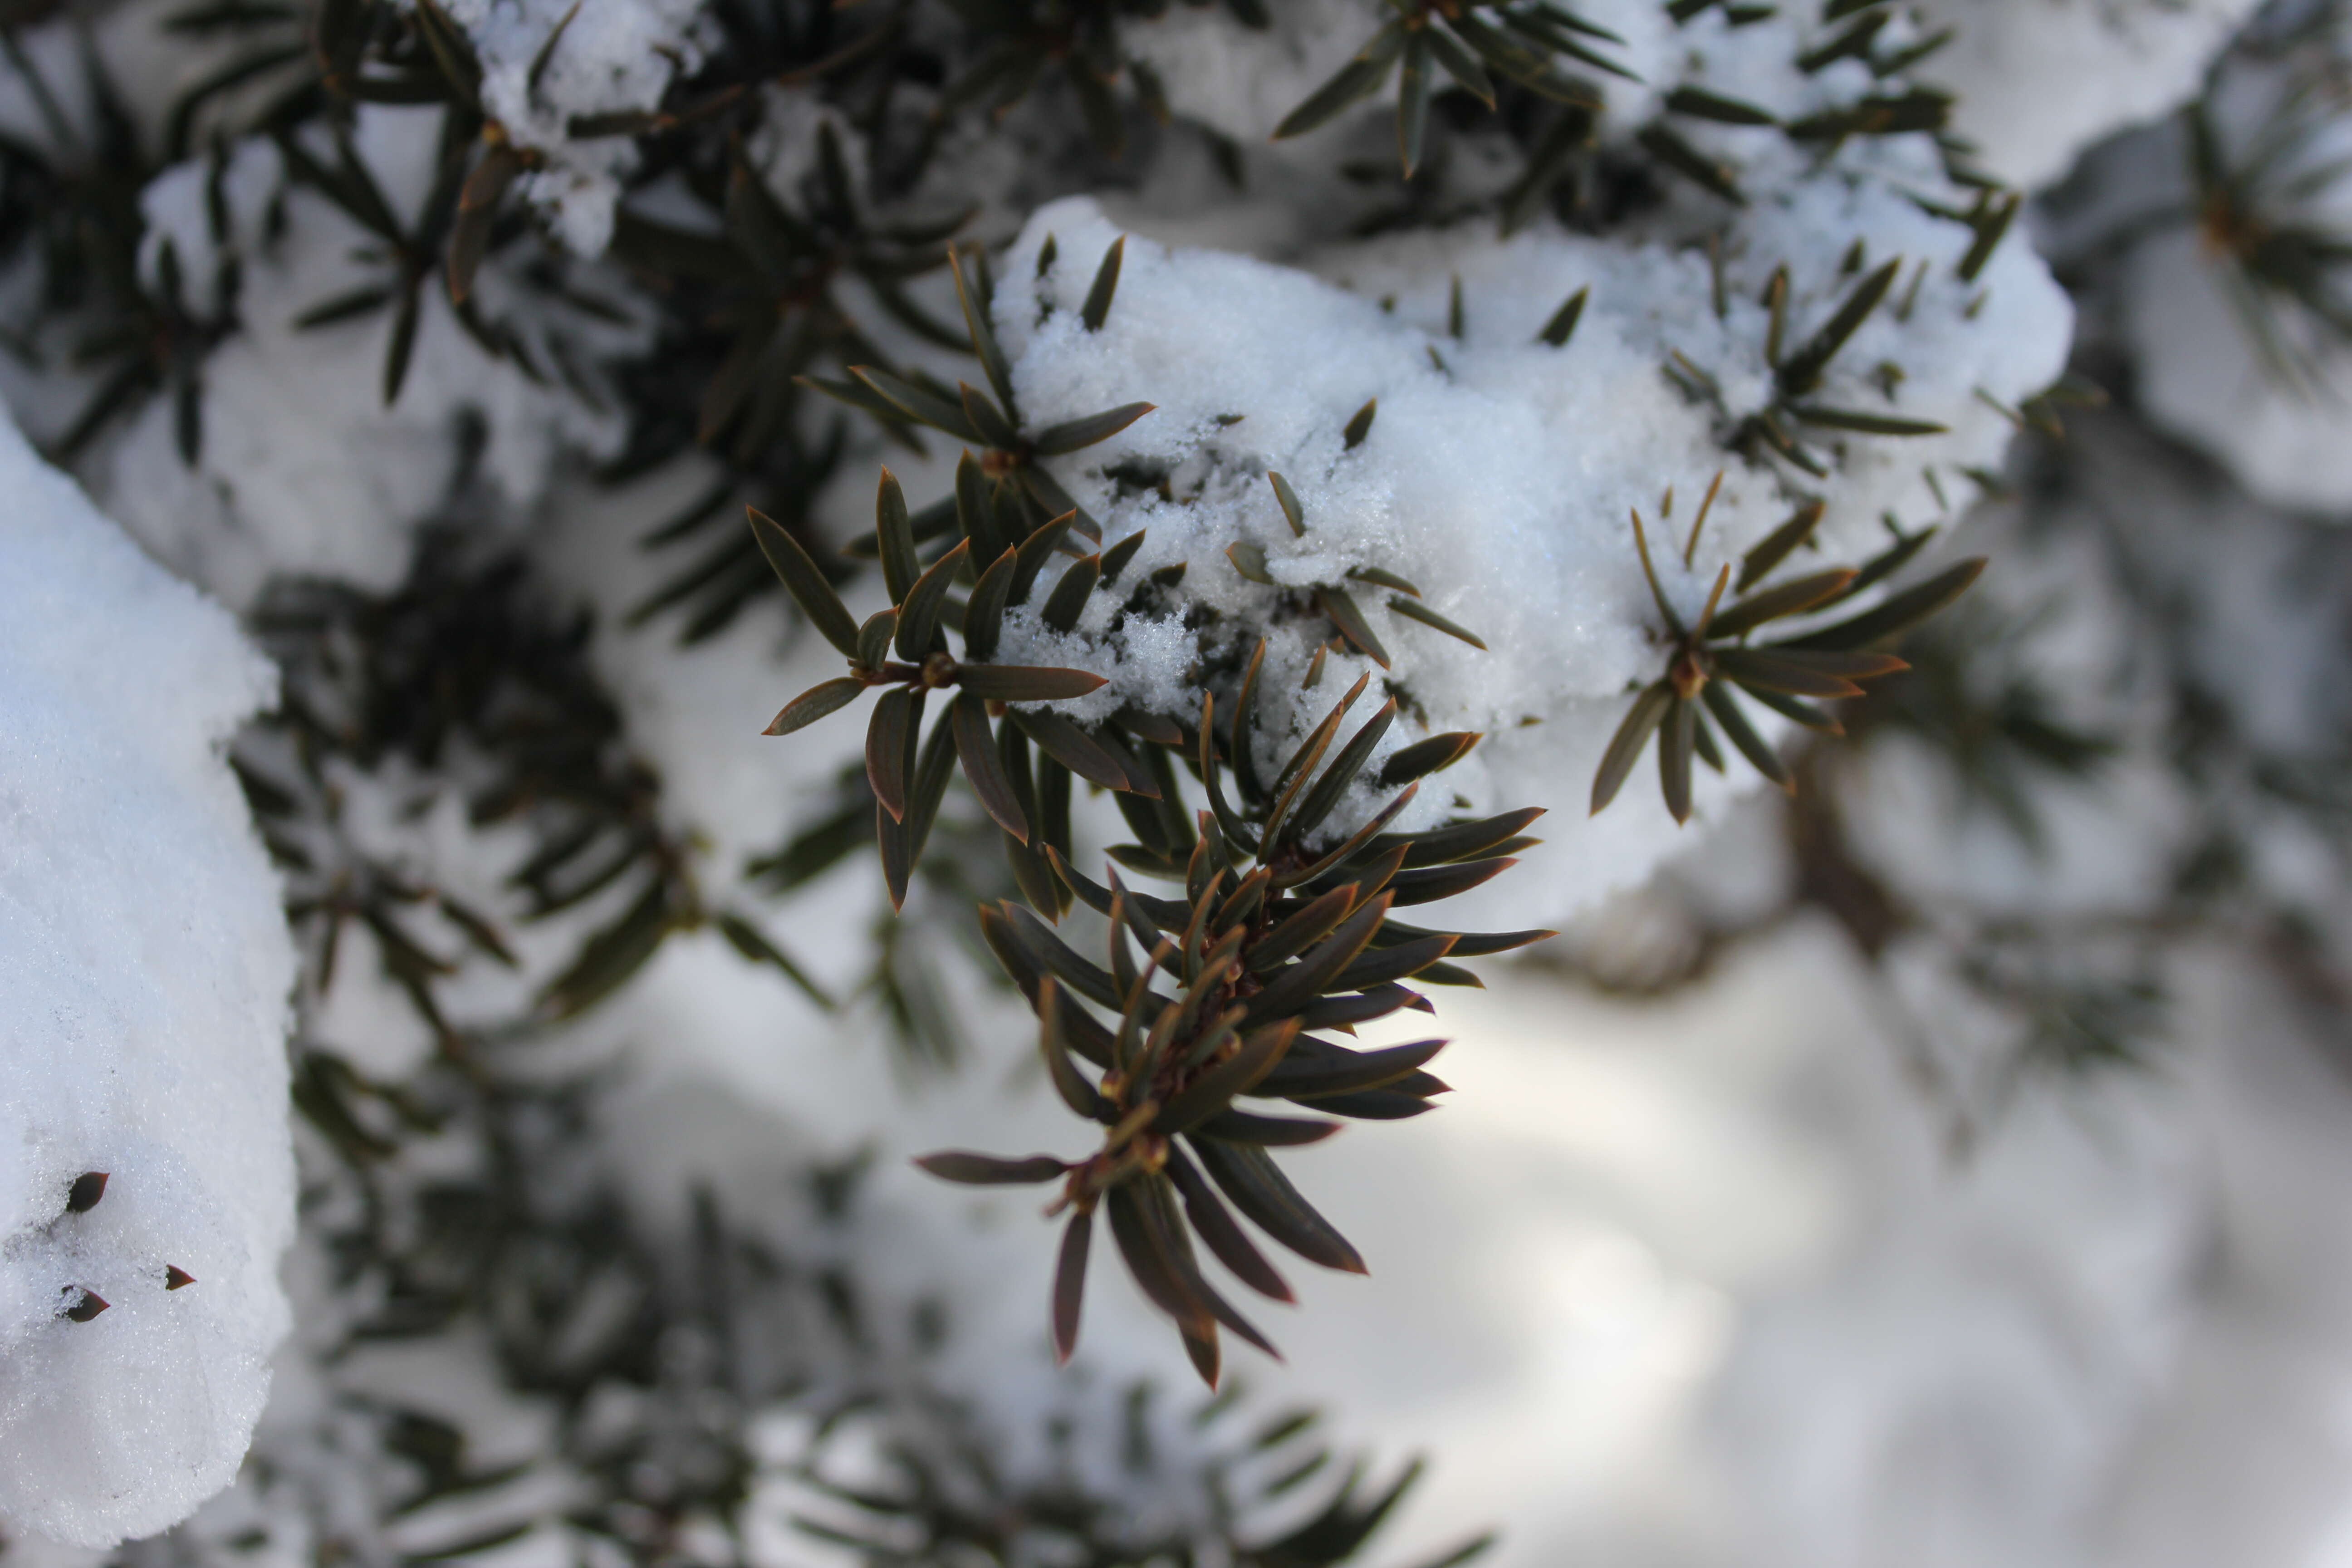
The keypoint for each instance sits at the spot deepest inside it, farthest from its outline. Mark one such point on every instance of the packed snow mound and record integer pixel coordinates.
(1499, 471)
(146, 1176)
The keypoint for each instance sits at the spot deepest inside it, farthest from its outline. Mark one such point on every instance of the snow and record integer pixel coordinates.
(2040, 80)
(1244, 82)
(1696, 1283)
(1498, 472)
(303, 468)
(2049, 1271)
(613, 56)
(147, 967)
(2036, 81)
(2227, 359)
(2203, 379)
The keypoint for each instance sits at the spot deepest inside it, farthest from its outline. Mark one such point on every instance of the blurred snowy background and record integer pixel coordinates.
(1943, 1165)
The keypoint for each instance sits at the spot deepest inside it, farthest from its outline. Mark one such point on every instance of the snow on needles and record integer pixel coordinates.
(146, 967)
(2036, 81)
(1499, 471)
(547, 63)
(2238, 353)
(305, 467)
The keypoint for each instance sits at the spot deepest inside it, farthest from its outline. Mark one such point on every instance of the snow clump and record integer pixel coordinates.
(1499, 471)
(146, 1174)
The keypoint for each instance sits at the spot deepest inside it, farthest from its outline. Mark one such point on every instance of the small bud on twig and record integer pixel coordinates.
(87, 1188)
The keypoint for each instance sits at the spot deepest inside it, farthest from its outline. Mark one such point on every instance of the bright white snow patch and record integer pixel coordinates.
(146, 967)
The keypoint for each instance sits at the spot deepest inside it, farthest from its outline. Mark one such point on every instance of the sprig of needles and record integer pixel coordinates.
(1709, 657)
